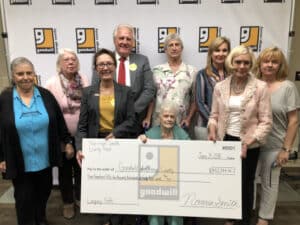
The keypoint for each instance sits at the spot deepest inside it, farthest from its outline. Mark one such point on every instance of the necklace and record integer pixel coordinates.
(238, 89)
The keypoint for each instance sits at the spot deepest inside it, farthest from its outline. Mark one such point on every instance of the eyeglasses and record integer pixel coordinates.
(239, 62)
(102, 65)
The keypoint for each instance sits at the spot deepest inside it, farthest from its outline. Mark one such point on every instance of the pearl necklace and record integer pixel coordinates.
(238, 89)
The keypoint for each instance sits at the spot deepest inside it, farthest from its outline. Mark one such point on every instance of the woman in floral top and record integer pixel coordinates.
(174, 81)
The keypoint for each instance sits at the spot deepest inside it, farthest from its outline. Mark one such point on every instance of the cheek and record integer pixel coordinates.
(277, 68)
(264, 67)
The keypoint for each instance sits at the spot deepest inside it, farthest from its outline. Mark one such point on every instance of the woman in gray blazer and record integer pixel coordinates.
(107, 108)
(107, 111)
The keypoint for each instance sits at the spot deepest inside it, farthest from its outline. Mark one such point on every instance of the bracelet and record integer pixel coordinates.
(285, 149)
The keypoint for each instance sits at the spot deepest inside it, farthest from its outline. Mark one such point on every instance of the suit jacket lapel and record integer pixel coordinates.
(132, 59)
(118, 97)
(95, 99)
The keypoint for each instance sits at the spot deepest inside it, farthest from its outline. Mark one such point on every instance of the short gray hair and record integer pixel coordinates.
(20, 60)
(172, 37)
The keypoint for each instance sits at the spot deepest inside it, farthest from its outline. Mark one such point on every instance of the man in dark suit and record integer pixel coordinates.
(138, 74)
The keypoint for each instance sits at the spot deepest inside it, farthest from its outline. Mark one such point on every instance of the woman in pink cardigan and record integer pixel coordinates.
(66, 86)
(241, 111)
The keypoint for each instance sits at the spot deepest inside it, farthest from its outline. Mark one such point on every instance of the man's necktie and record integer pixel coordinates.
(121, 75)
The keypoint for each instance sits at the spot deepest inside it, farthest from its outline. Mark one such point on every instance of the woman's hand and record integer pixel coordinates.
(282, 157)
(3, 167)
(212, 133)
(69, 150)
(79, 157)
(146, 123)
(244, 150)
(110, 136)
(143, 138)
(185, 123)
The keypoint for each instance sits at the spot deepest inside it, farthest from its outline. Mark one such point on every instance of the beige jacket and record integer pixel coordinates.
(256, 113)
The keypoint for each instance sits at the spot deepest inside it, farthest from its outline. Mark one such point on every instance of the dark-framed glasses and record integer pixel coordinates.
(103, 65)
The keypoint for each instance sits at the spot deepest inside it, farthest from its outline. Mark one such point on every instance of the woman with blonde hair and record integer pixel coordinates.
(241, 111)
(271, 67)
(206, 79)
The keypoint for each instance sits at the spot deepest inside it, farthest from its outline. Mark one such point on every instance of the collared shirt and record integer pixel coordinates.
(127, 72)
(32, 125)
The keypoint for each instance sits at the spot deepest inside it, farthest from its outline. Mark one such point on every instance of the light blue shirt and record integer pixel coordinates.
(32, 125)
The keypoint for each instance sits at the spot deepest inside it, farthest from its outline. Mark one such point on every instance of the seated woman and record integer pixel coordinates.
(166, 130)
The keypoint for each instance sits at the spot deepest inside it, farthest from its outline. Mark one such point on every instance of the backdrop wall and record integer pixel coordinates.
(38, 28)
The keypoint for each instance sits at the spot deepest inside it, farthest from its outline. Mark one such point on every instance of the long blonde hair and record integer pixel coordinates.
(215, 44)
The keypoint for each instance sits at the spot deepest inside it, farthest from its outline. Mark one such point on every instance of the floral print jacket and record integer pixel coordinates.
(176, 87)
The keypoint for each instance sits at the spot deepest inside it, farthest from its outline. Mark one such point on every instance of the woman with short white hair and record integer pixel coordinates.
(167, 129)
(66, 86)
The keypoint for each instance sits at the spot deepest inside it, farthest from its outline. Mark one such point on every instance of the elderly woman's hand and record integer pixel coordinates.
(146, 123)
(185, 123)
(3, 167)
(143, 138)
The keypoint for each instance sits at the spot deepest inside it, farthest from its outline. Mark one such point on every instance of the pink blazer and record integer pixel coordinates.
(256, 113)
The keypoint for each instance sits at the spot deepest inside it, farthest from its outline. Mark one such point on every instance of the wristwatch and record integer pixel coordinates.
(285, 149)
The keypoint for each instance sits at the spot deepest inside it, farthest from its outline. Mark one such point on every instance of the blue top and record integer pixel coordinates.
(178, 133)
(32, 125)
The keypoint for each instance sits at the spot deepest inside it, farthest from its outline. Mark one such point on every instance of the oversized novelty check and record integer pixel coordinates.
(161, 177)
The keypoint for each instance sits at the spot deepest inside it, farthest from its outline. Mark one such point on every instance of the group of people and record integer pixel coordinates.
(235, 97)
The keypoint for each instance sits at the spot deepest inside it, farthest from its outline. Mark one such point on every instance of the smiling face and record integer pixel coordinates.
(269, 67)
(105, 67)
(69, 64)
(167, 119)
(174, 49)
(123, 41)
(219, 54)
(23, 77)
(242, 65)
